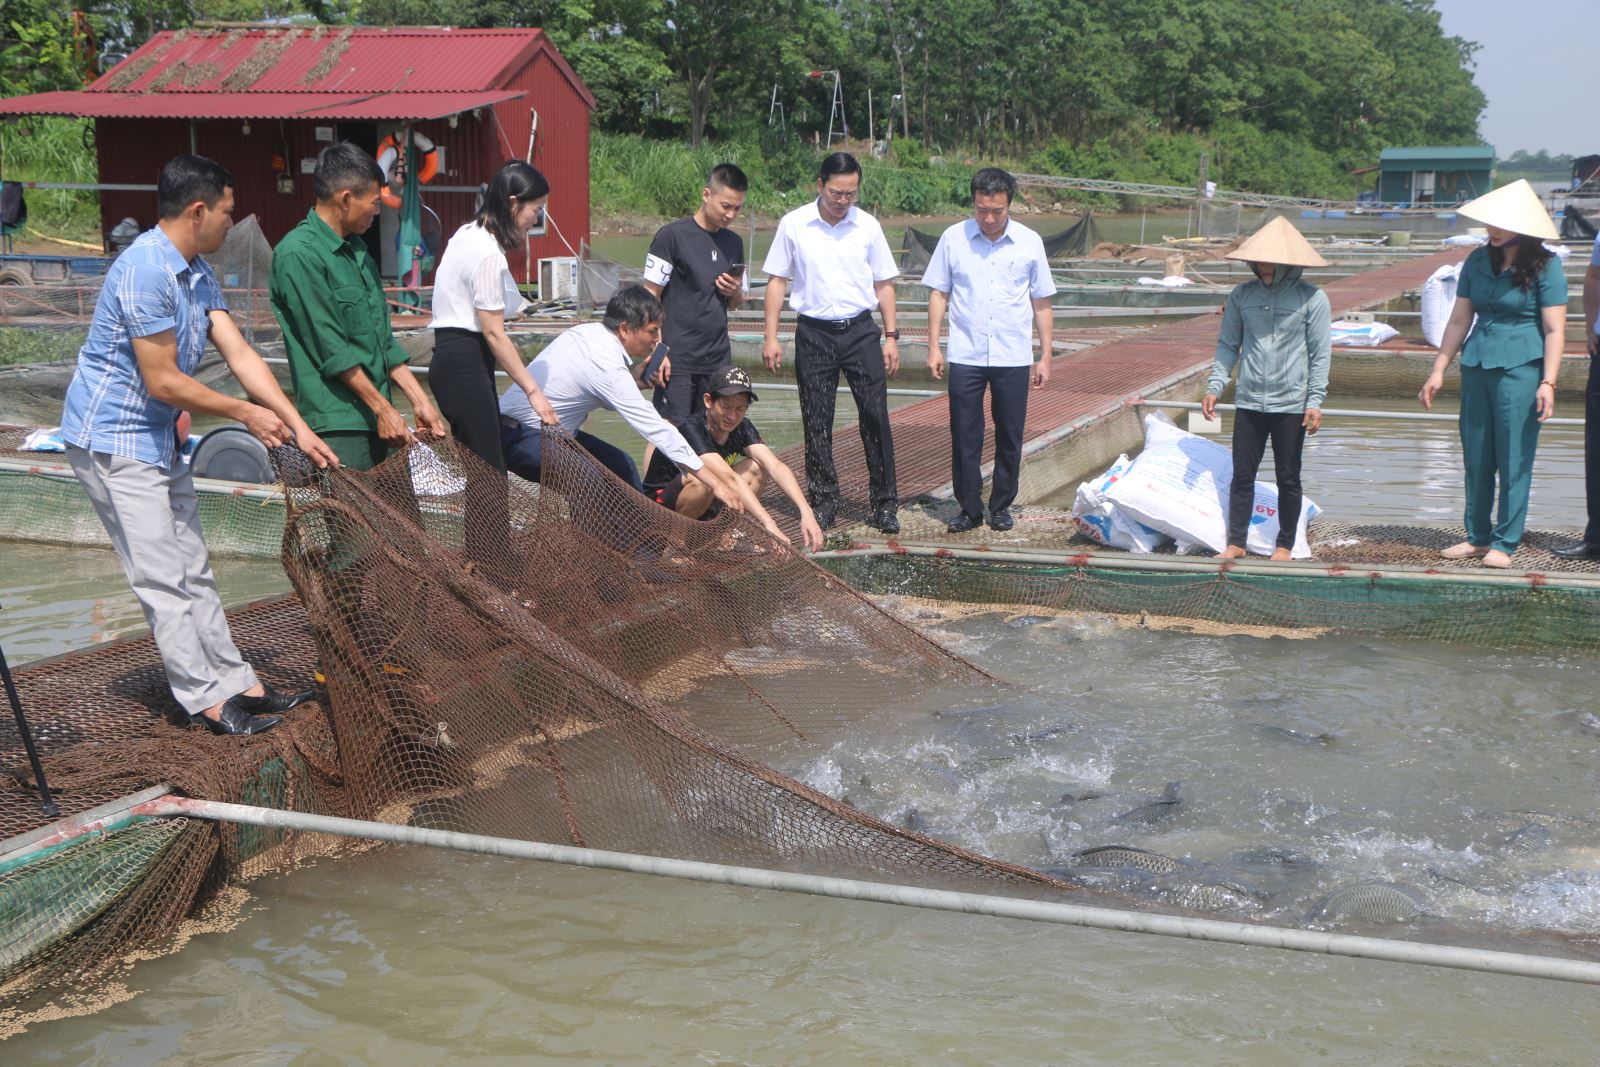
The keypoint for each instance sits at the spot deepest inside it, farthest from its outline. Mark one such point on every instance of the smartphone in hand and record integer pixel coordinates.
(648, 369)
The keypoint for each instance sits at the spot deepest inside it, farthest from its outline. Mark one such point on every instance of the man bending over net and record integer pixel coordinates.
(587, 369)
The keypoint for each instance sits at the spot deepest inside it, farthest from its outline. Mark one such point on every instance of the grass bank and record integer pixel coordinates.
(53, 149)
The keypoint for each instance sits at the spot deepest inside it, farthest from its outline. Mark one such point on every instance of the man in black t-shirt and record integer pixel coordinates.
(721, 435)
(696, 267)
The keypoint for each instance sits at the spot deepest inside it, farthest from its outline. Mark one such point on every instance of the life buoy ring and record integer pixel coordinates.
(389, 157)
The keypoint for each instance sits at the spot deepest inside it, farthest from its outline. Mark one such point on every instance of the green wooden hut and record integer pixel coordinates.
(1435, 175)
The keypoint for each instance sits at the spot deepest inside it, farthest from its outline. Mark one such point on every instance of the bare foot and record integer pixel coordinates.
(1496, 558)
(1231, 552)
(1464, 550)
(1280, 554)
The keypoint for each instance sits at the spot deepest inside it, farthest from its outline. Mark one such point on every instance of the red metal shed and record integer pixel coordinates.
(264, 100)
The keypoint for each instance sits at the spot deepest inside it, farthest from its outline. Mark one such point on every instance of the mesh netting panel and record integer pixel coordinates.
(571, 662)
(566, 662)
(106, 726)
(1391, 606)
(41, 502)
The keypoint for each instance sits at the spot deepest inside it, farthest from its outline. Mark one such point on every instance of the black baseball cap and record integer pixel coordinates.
(731, 380)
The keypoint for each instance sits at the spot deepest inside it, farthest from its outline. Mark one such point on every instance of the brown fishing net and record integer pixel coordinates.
(564, 662)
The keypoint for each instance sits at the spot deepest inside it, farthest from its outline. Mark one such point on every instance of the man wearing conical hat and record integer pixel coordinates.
(1509, 361)
(1275, 332)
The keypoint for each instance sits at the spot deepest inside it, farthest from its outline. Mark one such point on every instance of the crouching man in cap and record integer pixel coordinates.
(729, 443)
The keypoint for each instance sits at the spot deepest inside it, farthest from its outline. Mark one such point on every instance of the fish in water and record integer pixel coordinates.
(1035, 734)
(1020, 621)
(1379, 902)
(1124, 856)
(1273, 856)
(912, 820)
(1078, 798)
(938, 776)
(1154, 812)
(1202, 895)
(1529, 839)
(1287, 733)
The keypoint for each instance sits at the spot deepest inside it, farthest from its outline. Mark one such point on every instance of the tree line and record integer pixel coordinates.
(1296, 92)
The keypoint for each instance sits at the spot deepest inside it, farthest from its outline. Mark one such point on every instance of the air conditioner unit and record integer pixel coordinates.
(558, 279)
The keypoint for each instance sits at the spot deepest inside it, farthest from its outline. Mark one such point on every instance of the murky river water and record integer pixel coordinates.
(1301, 767)
(1364, 762)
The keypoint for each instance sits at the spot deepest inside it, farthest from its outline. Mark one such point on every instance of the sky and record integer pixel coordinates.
(1536, 65)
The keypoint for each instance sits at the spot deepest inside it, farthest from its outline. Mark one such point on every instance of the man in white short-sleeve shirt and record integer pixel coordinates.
(831, 260)
(1589, 547)
(991, 273)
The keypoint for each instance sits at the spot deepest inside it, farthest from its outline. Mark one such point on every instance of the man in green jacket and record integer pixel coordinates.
(1275, 330)
(328, 297)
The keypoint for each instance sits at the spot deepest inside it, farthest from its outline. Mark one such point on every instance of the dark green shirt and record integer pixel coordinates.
(1508, 331)
(328, 297)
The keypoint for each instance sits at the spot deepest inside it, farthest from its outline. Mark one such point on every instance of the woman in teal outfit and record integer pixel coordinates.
(1509, 360)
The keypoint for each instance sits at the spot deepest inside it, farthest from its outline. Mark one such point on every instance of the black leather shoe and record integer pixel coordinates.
(964, 522)
(1581, 551)
(271, 703)
(236, 720)
(885, 520)
(1001, 520)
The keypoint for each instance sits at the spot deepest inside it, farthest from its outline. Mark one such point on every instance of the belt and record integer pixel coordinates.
(836, 325)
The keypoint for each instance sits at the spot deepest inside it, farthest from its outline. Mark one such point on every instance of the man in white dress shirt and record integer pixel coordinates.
(992, 275)
(839, 265)
(587, 369)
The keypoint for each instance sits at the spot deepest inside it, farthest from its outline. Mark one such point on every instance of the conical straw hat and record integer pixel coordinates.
(1513, 207)
(1278, 242)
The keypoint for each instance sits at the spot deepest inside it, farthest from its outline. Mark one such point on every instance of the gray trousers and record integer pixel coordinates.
(153, 519)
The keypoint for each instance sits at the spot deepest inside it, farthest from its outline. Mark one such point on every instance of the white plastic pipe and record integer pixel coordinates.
(1372, 948)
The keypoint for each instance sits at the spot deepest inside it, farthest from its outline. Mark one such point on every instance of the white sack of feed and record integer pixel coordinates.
(1179, 486)
(1101, 521)
(1369, 334)
(1438, 299)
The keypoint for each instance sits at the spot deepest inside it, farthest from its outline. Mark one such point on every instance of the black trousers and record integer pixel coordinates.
(1251, 429)
(1591, 451)
(685, 394)
(462, 378)
(1008, 407)
(819, 356)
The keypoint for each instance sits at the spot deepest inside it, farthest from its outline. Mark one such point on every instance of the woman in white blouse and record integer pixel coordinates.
(473, 294)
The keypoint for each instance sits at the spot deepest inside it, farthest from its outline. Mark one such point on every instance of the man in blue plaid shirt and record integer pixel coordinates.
(159, 306)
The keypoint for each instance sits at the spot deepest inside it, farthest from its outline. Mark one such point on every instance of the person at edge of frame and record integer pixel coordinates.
(128, 397)
(722, 435)
(327, 295)
(831, 260)
(1589, 547)
(992, 274)
(1276, 331)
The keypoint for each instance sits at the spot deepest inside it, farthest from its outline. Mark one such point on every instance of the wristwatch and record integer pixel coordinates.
(891, 335)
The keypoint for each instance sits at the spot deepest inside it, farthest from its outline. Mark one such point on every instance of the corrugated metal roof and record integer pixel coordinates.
(345, 106)
(358, 72)
(365, 59)
(1473, 153)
